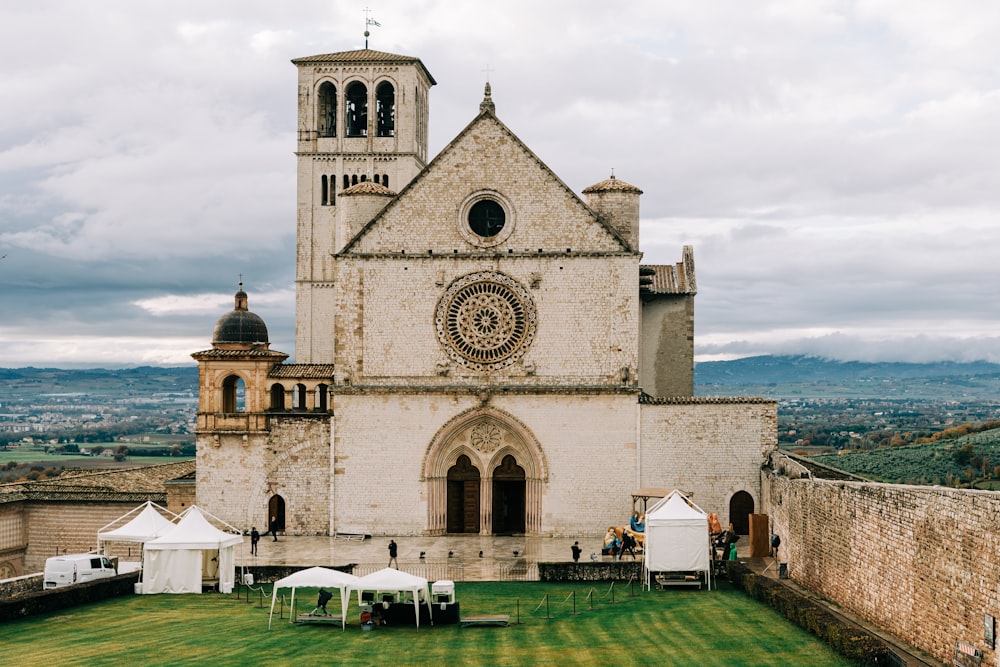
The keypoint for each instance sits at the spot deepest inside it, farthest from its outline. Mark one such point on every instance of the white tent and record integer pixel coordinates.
(390, 580)
(192, 553)
(148, 524)
(315, 577)
(677, 538)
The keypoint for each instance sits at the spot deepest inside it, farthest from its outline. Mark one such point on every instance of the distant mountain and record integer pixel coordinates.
(800, 376)
(119, 381)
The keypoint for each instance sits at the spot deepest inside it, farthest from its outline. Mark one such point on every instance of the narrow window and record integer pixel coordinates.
(354, 179)
(356, 116)
(385, 108)
(299, 397)
(321, 400)
(364, 177)
(385, 180)
(277, 397)
(333, 191)
(233, 394)
(326, 191)
(347, 181)
(326, 116)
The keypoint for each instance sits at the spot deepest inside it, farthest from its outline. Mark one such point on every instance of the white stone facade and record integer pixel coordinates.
(476, 344)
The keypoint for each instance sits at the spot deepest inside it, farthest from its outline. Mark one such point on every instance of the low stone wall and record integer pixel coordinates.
(55, 599)
(920, 562)
(10, 588)
(590, 571)
(268, 574)
(846, 637)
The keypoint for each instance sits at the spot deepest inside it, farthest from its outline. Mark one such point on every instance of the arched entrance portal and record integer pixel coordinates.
(463, 497)
(276, 509)
(508, 497)
(740, 509)
(484, 473)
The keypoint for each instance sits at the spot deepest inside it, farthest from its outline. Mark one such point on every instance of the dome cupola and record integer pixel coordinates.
(239, 327)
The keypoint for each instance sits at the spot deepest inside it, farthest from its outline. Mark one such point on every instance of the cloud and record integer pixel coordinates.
(832, 163)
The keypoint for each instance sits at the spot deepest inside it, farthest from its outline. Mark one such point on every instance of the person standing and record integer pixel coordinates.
(254, 539)
(273, 528)
(576, 552)
(392, 554)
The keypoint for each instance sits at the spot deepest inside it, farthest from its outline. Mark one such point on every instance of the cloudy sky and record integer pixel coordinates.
(836, 164)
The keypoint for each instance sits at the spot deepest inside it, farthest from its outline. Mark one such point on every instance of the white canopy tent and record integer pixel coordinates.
(677, 538)
(316, 577)
(193, 552)
(390, 580)
(149, 522)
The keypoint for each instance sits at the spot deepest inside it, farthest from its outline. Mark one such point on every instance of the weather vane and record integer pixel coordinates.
(369, 21)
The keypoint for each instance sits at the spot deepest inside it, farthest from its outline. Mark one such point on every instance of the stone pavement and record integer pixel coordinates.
(455, 557)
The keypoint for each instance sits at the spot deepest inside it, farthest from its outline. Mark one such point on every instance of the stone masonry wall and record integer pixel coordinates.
(708, 447)
(56, 528)
(921, 562)
(239, 473)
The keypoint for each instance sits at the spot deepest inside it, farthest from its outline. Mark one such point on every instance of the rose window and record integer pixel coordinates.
(485, 320)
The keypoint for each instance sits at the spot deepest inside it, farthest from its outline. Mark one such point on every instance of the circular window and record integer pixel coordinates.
(485, 320)
(486, 218)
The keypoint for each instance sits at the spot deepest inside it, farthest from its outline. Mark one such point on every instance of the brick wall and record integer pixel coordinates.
(921, 562)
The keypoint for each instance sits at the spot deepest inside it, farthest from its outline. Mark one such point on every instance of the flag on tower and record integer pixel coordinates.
(374, 22)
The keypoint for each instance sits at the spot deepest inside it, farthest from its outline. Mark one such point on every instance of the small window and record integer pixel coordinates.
(326, 191)
(233, 394)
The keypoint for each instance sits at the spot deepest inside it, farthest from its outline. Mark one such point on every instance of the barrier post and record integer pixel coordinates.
(575, 612)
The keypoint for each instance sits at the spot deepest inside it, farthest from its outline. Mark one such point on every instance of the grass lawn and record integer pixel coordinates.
(677, 627)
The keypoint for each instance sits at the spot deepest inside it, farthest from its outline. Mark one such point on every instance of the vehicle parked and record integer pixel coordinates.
(75, 569)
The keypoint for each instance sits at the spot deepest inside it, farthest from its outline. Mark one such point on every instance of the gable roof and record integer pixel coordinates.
(485, 116)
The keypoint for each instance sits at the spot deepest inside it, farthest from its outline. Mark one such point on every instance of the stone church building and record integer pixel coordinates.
(479, 349)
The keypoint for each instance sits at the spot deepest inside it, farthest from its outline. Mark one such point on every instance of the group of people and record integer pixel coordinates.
(272, 528)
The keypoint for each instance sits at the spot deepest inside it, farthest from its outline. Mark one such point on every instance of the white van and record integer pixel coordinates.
(75, 569)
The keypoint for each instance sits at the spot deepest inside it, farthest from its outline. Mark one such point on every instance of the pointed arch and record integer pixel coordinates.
(486, 436)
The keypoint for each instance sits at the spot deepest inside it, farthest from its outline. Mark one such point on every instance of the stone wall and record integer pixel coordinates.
(56, 528)
(921, 562)
(709, 448)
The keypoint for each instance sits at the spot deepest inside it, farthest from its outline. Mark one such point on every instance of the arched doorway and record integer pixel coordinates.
(740, 509)
(276, 509)
(508, 497)
(463, 497)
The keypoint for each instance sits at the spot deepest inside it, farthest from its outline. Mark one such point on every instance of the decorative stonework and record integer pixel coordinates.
(485, 437)
(485, 320)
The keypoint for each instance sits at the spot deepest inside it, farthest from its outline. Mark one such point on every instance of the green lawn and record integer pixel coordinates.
(723, 627)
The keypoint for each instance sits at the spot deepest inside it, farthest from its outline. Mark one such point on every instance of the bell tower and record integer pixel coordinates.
(362, 118)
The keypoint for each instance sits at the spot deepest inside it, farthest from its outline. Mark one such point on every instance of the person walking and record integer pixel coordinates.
(254, 539)
(392, 553)
(576, 552)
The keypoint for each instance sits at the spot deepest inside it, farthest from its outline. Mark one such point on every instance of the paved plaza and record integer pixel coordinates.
(456, 557)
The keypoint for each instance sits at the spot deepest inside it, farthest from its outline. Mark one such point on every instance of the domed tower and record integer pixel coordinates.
(618, 203)
(232, 376)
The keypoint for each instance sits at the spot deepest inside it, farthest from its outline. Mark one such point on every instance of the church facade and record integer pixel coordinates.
(478, 348)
